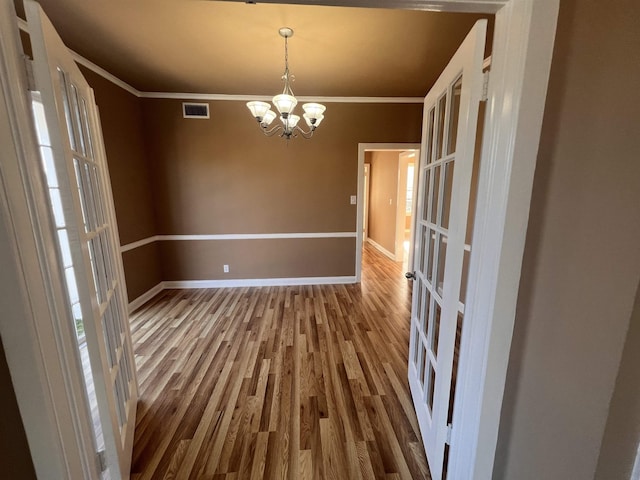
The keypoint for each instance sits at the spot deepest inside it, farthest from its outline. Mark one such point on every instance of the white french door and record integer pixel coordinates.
(76, 171)
(445, 170)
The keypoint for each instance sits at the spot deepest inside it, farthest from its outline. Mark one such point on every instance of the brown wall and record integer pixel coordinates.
(582, 257)
(122, 129)
(383, 187)
(175, 176)
(222, 176)
(142, 269)
(129, 169)
(272, 258)
(15, 457)
(622, 435)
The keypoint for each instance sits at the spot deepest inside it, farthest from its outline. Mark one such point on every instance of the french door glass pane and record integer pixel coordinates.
(428, 304)
(416, 345)
(464, 277)
(423, 235)
(46, 153)
(454, 114)
(56, 205)
(442, 255)
(430, 127)
(427, 310)
(435, 331)
(65, 249)
(442, 106)
(430, 387)
(430, 255)
(80, 127)
(456, 363)
(418, 295)
(447, 193)
(423, 361)
(67, 107)
(434, 196)
(425, 193)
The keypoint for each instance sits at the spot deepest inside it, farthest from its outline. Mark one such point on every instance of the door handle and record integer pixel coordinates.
(410, 275)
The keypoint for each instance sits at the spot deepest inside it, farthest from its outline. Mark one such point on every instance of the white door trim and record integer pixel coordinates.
(401, 202)
(521, 61)
(523, 47)
(362, 148)
(47, 389)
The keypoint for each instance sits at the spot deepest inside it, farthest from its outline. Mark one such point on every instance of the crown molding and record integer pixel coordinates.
(267, 98)
(22, 24)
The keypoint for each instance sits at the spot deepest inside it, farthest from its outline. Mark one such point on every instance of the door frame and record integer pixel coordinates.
(362, 149)
(521, 60)
(47, 388)
(401, 204)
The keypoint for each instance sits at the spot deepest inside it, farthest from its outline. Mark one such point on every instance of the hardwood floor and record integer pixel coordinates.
(304, 382)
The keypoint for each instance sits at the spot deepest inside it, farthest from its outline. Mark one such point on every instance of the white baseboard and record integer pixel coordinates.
(145, 297)
(380, 248)
(242, 282)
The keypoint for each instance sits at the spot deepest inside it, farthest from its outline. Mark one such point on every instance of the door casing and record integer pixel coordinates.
(521, 59)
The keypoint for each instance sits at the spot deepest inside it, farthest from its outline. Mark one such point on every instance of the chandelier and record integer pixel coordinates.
(285, 103)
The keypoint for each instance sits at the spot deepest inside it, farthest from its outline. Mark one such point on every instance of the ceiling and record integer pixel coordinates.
(234, 48)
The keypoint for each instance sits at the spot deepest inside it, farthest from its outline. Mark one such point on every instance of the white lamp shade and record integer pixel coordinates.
(268, 117)
(310, 120)
(290, 122)
(258, 109)
(313, 110)
(285, 103)
(318, 120)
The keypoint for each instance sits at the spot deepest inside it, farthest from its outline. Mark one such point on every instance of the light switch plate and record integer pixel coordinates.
(354, 200)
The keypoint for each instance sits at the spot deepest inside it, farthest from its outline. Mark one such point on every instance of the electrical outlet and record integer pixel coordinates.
(354, 200)
(225, 268)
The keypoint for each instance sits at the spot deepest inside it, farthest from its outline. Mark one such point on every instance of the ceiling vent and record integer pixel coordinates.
(195, 110)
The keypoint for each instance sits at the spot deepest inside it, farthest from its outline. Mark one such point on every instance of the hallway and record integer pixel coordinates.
(301, 382)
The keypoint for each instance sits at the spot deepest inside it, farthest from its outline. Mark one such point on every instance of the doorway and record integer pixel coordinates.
(385, 200)
(388, 201)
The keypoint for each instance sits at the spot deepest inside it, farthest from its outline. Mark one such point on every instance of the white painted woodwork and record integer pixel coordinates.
(48, 386)
(404, 159)
(85, 192)
(433, 327)
(520, 65)
(485, 6)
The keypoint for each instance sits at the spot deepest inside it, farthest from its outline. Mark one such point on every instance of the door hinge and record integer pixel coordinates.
(102, 461)
(485, 86)
(28, 66)
(449, 429)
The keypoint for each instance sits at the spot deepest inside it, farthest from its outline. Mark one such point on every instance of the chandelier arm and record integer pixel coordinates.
(271, 132)
(308, 134)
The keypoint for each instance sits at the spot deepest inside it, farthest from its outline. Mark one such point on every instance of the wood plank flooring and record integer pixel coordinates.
(304, 382)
